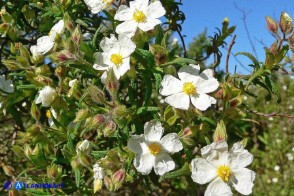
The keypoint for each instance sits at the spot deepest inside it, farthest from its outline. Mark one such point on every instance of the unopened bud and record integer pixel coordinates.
(219, 94)
(111, 83)
(82, 114)
(97, 185)
(35, 112)
(244, 142)
(109, 129)
(8, 170)
(54, 172)
(96, 94)
(220, 134)
(77, 36)
(6, 17)
(62, 56)
(108, 183)
(118, 178)
(286, 24)
(27, 150)
(23, 50)
(43, 70)
(274, 48)
(4, 27)
(186, 133)
(68, 22)
(36, 59)
(75, 163)
(84, 160)
(60, 71)
(43, 80)
(272, 26)
(13, 33)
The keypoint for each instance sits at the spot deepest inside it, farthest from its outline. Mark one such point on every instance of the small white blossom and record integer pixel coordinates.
(87, 36)
(116, 55)
(152, 151)
(98, 5)
(84, 145)
(277, 168)
(245, 98)
(46, 43)
(293, 149)
(290, 107)
(49, 114)
(138, 15)
(221, 167)
(24, 104)
(72, 82)
(46, 96)
(284, 87)
(192, 85)
(98, 172)
(6, 85)
(289, 156)
(271, 118)
(278, 141)
(275, 180)
(174, 41)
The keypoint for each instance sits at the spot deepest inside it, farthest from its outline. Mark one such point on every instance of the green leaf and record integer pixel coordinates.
(146, 56)
(143, 110)
(78, 177)
(158, 80)
(179, 61)
(274, 88)
(99, 154)
(23, 61)
(250, 56)
(170, 116)
(280, 56)
(184, 171)
(159, 34)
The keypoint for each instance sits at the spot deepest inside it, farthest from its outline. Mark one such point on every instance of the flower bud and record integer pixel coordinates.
(4, 27)
(83, 146)
(220, 134)
(274, 48)
(5, 16)
(97, 185)
(8, 170)
(118, 178)
(108, 183)
(244, 142)
(96, 94)
(219, 94)
(54, 172)
(43, 80)
(111, 83)
(68, 22)
(13, 33)
(37, 150)
(77, 36)
(27, 150)
(43, 70)
(75, 163)
(35, 112)
(109, 129)
(17, 150)
(272, 26)
(36, 59)
(286, 24)
(84, 160)
(23, 51)
(82, 114)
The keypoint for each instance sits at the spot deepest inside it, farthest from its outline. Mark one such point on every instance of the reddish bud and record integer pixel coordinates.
(272, 26)
(286, 24)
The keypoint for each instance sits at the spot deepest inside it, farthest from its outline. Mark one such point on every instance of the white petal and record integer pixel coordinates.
(206, 74)
(124, 13)
(243, 182)
(34, 50)
(171, 142)
(124, 67)
(153, 131)
(134, 143)
(239, 157)
(163, 164)
(202, 101)
(103, 77)
(189, 72)
(38, 100)
(155, 10)
(218, 188)
(58, 27)
(127, 28)
(170, 85)
(149, 24)
(216, 153)
(144, 163)
(207, 86)
(98, 62)
(44, 45)
(139, 4)
(202, 171)
(127, 46)
(108, 44)
(178, 100)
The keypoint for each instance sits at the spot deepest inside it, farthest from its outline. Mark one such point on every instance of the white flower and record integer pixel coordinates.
(46, 96)
(292, 148)
(153, 151)
(49, 114)
(72, 82)
(289, 156)
(98, 5)
(139, 14)
(6, 85)
(46, 43)
(84, 145)
(116, 55)
(191, 86)
(275, 180)
(277, 168)
(220, 167)
(98, 172)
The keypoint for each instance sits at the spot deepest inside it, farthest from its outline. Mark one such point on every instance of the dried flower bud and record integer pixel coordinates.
(272, 26)
(8, 170)
(220, 134)
(286, 24)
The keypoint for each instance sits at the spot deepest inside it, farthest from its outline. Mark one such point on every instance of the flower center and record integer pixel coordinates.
(154, 148)
(224, 172)
(116, 59)
(189, 88)
(139, 16)
(48, 114)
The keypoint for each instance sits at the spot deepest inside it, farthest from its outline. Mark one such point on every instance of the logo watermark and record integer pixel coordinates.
(18, 185)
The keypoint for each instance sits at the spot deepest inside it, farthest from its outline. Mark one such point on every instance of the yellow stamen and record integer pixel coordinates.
(139, 16)
(116, 59)
(189, 88)
(224, 172)
(154, 148)
(48, 113)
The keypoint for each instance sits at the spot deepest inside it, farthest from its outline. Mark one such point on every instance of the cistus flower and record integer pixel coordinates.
(6, 86)
(192, 85)
(152, 151)
(98, 5)
(83, 146)
(49, 114)
(138, 15)
(46, 43)
(116, 55)
(46, 96)
(221, 167)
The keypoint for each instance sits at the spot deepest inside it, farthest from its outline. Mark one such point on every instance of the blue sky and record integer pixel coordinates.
(201, 14)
